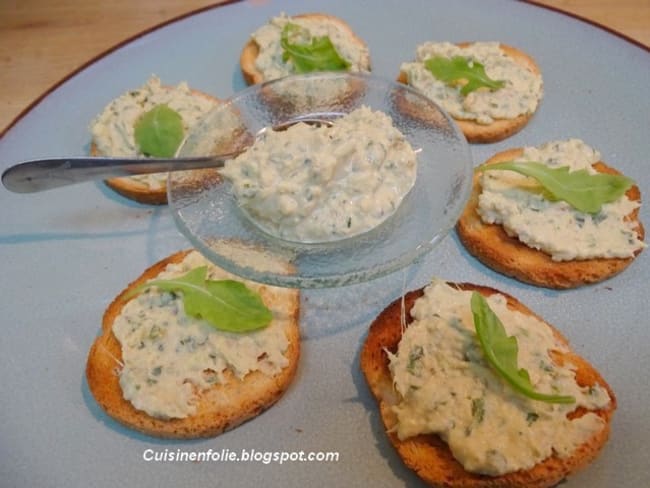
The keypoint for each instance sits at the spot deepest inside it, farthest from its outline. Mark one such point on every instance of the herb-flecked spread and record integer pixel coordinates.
(270, 60)
(520, 94)
(113, 129)
(319, 183)
(169, 357)
(448, 388)
(517, 203)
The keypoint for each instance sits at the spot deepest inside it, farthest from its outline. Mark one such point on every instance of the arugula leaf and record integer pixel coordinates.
(226, 304)
(583, 191)
(454, 70)
(320, 55)
(501, 352)
(159, 132)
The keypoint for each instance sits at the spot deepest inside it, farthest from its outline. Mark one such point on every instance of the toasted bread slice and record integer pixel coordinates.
(221, 407)
(501, 128)
(138, 189)
(251, 49)
(492, 246)
(428, 455)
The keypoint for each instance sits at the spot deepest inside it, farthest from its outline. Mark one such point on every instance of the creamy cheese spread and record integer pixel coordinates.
(269, 61)
(520, 95)
(447, 387)
(318, 183)
(113, 129)
(169, 357)
(516, 203)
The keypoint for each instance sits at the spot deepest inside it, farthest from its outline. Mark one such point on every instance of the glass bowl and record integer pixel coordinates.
(206, 211)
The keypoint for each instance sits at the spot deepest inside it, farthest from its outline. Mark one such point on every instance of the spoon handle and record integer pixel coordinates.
(43, 174)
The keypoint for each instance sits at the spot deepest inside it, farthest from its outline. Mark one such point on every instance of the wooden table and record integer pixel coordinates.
(43, 41)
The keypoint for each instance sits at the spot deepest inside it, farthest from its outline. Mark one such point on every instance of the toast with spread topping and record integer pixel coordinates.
(251, 50)
(427, 454)
(152, 188)
(220, 407)
(491, 245)
(500, 128)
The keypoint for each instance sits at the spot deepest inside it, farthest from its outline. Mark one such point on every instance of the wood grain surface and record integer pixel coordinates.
(42, 41)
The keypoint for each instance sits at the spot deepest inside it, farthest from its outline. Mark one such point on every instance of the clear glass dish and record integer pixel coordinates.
(207, 212)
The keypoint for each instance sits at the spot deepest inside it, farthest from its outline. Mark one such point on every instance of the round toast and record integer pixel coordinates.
(491, 245)
(221, 407)
(499, 129)
(251, 49)
(428, 455)
(133, 188)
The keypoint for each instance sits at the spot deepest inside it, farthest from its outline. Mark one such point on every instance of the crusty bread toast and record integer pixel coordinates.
(135, 189)
(251, 50)
(501, 128)
(491, 245)
(428, 455)
(219, 408)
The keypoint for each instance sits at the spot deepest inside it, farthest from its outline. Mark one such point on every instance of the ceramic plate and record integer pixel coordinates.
(66, 253)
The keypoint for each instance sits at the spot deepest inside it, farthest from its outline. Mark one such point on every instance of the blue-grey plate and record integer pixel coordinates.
(66, 253)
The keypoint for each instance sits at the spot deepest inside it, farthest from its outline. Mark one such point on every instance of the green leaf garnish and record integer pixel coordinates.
(583, 191)
(501, 352)
(320, 55)
(461, 70)
(159, 132)
(226, 304)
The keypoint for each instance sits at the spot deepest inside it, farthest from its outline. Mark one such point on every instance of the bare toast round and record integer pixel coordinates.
(135, 189)
(428, 455)
(491, 245)
(251, 49)
(221, 407)
(501, 128)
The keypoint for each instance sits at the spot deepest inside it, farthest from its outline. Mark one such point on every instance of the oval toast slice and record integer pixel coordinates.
(222, 406)
(499, 129)
(491, 245)
(428, 455)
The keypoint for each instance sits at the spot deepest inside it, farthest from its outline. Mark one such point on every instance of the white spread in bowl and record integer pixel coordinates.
(320, 183)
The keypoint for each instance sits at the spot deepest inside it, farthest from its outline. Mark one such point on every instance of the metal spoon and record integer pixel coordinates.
(44, 174)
